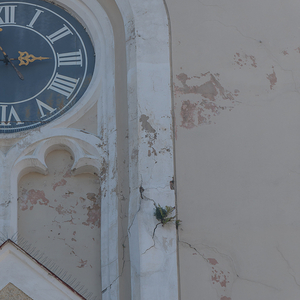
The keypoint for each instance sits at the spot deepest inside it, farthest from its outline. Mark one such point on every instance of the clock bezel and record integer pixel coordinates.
(67, 114)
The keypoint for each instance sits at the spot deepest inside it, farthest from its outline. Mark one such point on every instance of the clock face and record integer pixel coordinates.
(46, 63)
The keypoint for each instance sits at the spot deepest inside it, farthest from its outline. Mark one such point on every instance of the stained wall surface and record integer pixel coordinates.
(236, 84)
(59, 215)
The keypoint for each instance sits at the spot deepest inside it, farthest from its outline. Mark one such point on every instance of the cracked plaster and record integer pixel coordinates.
(237, 177)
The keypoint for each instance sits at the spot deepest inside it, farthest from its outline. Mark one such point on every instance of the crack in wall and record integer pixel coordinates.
(224, 274)
(108, 287)
(289, 266)
(265, 47)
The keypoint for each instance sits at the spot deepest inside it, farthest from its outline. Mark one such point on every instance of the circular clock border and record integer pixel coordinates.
(68, 28)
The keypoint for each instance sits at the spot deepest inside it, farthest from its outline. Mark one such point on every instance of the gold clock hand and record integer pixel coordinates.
(26, 58)
(8, 60)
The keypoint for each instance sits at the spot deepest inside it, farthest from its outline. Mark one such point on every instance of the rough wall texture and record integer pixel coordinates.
(59, 215)
(236, 104)
(10, 291)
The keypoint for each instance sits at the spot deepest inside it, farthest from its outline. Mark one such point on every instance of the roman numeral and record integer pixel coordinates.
(12, 113)
(37, 14)
(70, 59)
(9, 14)
(42, 105)
(59, 34)
(63, 84)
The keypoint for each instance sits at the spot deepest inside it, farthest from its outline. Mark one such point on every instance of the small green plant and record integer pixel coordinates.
(177, 223)
(163, 214)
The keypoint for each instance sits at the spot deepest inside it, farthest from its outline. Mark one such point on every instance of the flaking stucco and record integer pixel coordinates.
(60, 213)
(235, 68)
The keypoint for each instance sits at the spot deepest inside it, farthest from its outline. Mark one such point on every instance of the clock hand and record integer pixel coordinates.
(26, 58)
(7, 59)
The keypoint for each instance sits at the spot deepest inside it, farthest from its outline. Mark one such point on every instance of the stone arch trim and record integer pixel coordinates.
(84, 161)
(150, 147)
(88, 158)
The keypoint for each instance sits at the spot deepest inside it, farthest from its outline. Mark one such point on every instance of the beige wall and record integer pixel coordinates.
(59, 215)
(236, 104)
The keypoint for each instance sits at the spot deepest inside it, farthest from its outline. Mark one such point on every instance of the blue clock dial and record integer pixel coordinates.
(46, 63)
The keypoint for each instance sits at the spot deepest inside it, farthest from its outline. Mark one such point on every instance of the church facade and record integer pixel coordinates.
(149, 149)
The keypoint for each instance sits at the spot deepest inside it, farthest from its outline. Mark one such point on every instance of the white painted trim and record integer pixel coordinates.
(154, 271)
(34, 280)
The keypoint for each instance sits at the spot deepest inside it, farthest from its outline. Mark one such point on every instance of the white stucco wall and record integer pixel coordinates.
(236, 102)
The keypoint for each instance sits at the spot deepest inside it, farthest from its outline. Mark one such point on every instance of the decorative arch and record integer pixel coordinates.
(63, 200)
(84, 161)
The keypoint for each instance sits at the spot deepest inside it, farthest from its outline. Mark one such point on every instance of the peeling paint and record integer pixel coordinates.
(54, 206)
(67, 174)
(219, 277)
(94, 211)
(103, 170)
(272, 78)
(151, 134)
(243, 60)
(32, 196)
(63, 211)
(206, 90)
(152, 151)
(146, 125)
(223, 273)
(187, 114)
(212, 261)
(82, 263)
(134, 154)
(60, 183)
(172, 184)
(215, 98)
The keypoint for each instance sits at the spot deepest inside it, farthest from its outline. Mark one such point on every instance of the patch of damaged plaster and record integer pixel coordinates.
(62, 211)
(222, 269)
(60, 183)
(82, 263)
(244, 60)
(218, 276)
(188, 114)
(94, 211)
(150, 134)
(272, 78)
(214, 99)
(212, 261)
(146, 125)
(31, 198)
